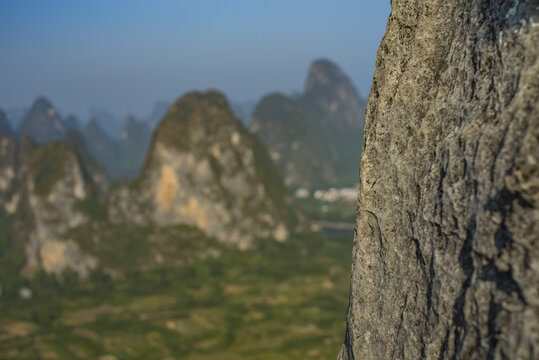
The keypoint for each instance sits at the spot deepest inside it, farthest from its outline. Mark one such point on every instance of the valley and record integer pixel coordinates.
(185, 238)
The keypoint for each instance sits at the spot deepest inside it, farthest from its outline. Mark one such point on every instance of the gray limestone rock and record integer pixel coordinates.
(446, 253)
(204, 169)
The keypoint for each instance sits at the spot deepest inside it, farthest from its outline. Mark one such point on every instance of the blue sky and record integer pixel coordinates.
(125, 55)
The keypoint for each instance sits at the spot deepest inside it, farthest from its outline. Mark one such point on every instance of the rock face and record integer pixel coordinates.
(94, 170)
(204, 169)
(42, 123)
(55, 184)
(446, 253)
(42, 192)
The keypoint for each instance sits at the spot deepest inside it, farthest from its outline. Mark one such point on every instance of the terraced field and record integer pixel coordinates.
(277, 301)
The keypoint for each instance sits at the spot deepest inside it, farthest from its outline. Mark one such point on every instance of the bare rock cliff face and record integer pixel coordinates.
(204, 169)
(43, 190)
(55, 183)
(446, 254)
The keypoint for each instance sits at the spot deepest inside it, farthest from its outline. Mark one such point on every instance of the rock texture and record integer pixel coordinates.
(44, 195)
(204, 169)
(446, 253)
(55, 183)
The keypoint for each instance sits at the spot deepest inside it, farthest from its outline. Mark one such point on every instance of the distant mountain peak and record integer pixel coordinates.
(315, 137)
(206, 170)
(330, 97)
(42, 102)
(323, 73)
(43, 123)
(93, 124)
(71, 122)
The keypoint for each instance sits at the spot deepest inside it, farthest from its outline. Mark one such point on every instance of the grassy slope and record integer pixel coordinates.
(278, 301)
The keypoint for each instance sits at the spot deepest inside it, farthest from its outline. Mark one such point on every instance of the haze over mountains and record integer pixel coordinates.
(314, 137)
(199, 168)
(297, 130)
(204, 170)
(187, 186)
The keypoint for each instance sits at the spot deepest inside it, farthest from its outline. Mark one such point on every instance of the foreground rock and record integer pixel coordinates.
(446, 256)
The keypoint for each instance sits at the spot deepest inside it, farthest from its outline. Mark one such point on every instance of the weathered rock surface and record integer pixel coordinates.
(446, 254)
(43, 192)
(52, 200)
(55, 184)
(204, 169)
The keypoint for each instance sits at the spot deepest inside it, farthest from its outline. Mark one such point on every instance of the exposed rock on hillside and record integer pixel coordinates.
(205, 169)
(446, 254)
(281, 123)
(91, 166)
(43, 192)
(55, 183)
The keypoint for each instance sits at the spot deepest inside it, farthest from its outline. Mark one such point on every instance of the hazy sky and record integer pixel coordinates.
(125, 55)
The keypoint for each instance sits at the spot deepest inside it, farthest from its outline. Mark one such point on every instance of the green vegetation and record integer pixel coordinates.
(282, 125)
(11, 256)
(48, 165)
(268, 174)
(277, 301)
(172, 291)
